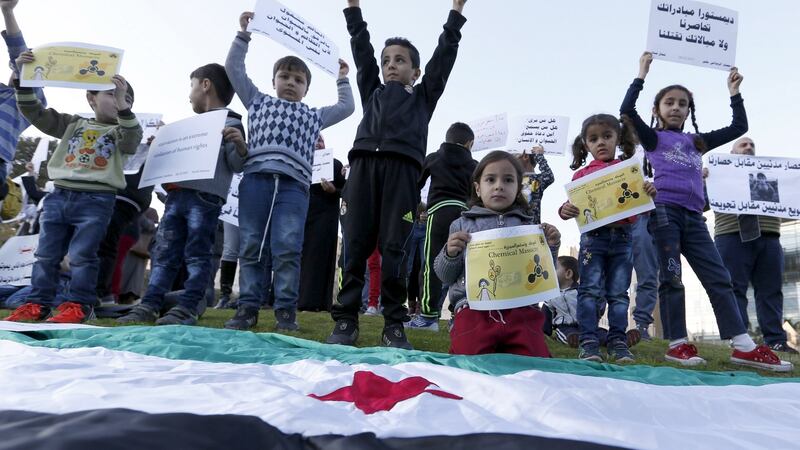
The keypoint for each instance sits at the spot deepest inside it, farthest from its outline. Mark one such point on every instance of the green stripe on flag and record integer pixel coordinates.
(218, 345)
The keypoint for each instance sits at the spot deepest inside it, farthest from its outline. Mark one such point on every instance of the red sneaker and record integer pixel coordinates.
(71, 312)
(684, 354)
(29, 312)
(762, 358)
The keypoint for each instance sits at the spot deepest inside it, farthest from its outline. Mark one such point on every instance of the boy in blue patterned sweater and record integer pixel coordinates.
(273, 193)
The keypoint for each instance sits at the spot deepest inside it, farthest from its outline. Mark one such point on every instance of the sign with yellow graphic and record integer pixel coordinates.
(72, 65)
(608, 195)
(509, 268)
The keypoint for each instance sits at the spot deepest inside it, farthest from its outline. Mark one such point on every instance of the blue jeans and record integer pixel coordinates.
(645, 263)
(415, 247)
(15, 299)
(677, 232)
(283, 242)
(71, 222)
(186, 233)
(759, 262)
(605, 266)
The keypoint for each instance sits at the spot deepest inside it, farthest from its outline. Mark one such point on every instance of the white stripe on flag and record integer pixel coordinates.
(594, 409)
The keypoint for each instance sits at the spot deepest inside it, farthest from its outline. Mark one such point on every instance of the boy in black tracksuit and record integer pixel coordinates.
(450, 169)
(381, 193)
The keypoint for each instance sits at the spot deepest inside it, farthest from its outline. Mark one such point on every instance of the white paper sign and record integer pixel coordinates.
(490, 132)
(185, 150)
(295, 33)
(323, 166)
(135, 161)
(693, 33)
(548, 131)
(40, 154)
(150, 123)
(758, 185)
(17, 258)
(230, 211)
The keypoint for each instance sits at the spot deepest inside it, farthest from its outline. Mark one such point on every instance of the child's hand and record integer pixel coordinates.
(650, 189)
(327, 186)
(705, 172)
(8, 5)
(644, 64)
(552, 234)
(29, 168)
(233, 135)
(25, 58)
(456, 243)
(537, 150)
(734, 81)
(245, 19)
(344, 69)
(569, 211)
(458, 5)
(525, 160)
(353, 3)
(120, 92)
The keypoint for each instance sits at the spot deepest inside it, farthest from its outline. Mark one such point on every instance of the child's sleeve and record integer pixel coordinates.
(647, 137)
(232, 157)
(338, 177)
(735, 130)
(48, 121)
(545, 176)
(237, 73)
(16, 45)
(128, 135)
(438, 69)
(331, 115)
(426, 172)
(449, 269)
(368, 72)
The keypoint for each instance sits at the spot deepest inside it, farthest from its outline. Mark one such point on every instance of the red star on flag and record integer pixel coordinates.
(372, 393)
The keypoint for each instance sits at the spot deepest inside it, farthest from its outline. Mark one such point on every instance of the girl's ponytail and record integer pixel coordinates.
(579, 153)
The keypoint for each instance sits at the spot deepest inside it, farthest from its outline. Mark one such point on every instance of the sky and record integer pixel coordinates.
(572, 58)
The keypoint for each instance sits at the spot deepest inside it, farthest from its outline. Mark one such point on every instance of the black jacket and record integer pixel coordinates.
(396, 120)
(450, 169)
(132, 193)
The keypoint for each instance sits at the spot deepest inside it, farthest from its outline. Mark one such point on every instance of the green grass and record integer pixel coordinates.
(317, 326)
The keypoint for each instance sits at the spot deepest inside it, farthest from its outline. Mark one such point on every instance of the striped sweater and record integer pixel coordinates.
(12, 123)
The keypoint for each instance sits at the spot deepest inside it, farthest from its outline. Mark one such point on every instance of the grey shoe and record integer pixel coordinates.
(178, 315)
(140, 313)
(287, 320)
(618, 352)
(345, 332)
(395, 336)
(590, 351)
(246, 317)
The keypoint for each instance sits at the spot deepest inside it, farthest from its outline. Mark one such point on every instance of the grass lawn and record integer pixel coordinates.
(317, 326)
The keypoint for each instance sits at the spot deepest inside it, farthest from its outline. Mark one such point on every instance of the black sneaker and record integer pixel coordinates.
(140, 313)
(246, 317)
(783, 347)
(644, 331)
(178, 315)
(287, 320)
(345, 332)
(395, 336)
(619, 352)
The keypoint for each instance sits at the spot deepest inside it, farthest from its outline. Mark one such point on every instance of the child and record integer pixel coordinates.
(12, 121)
(388, 151)
(86, 167)
(561, 313)
(677, 222)
(188, 226)
(273, 193)
(496, 202)
(606, 253)
(450, 170)
(534, 184)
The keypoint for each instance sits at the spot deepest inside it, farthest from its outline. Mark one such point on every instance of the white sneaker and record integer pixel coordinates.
(372, 311)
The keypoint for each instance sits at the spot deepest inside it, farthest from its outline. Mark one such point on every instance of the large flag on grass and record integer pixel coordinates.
(191, 387)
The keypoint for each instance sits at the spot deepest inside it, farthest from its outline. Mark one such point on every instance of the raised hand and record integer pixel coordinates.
(121, 92)
(734, 81)
(25, 58)
(344, 69)
(244, 20)
(644, 64)
(458, 5)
